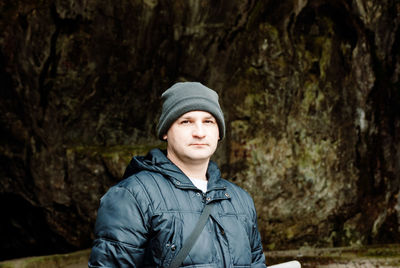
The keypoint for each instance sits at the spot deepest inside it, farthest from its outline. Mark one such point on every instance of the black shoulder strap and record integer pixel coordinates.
(187, 246)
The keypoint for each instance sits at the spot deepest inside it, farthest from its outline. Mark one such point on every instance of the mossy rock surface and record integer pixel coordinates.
(77, 259)
(309, 90)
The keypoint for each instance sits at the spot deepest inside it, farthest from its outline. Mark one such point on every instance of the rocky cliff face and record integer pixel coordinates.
(310, 91)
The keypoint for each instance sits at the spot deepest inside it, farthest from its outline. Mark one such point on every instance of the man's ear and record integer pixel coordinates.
(165, 137)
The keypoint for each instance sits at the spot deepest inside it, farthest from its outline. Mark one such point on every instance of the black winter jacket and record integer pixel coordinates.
(144, 220)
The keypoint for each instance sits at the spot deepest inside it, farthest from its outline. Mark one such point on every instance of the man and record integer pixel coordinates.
(145, 219)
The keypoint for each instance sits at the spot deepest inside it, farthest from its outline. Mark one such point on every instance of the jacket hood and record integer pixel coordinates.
(156, 161)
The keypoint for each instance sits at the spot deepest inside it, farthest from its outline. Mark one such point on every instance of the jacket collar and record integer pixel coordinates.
(159, 159)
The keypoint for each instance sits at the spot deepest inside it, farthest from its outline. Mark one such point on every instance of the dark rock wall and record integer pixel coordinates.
(310, 91)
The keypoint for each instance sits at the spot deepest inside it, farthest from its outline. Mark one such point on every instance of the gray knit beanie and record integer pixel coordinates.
(185, 97)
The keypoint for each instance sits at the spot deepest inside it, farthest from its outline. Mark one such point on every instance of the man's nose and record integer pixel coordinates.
(198, 130)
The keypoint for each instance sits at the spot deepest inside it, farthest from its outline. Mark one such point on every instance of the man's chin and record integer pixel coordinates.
(199, 155)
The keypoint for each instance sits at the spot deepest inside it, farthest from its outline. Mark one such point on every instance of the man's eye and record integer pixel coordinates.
(209, 121)
(185, 122)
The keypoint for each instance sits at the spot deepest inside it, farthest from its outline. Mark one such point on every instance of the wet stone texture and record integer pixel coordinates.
(310, 91)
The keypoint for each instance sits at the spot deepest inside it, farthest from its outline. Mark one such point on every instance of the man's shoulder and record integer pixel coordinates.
(240, 198)
(234, 187)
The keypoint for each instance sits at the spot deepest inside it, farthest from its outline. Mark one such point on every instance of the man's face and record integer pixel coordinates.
(193, 137)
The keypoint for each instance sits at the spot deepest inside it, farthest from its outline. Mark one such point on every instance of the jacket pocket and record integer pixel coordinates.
(173, 243)
(167, 239)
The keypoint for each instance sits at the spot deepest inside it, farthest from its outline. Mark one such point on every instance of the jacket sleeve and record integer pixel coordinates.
(258, 257)
(120, 232)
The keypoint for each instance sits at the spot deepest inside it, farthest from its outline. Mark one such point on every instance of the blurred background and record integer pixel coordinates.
(310, 91)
